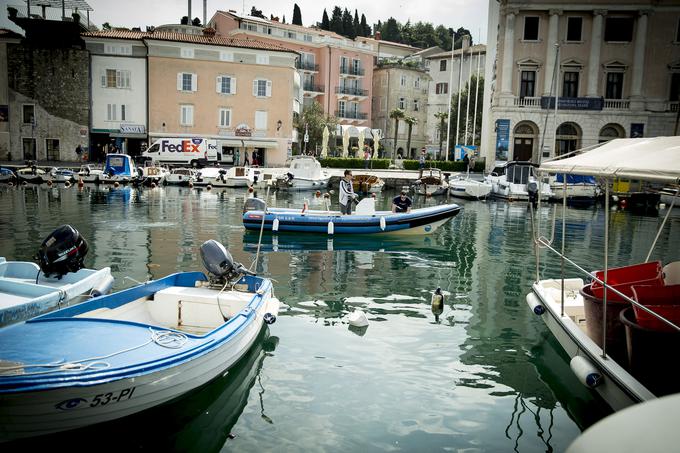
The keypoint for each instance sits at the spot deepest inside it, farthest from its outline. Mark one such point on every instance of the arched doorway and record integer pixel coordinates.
(610, 132)
(525, 135)
(568, 138)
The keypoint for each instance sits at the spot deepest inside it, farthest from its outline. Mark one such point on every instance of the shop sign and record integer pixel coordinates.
(83, 131)
(242, 130)
(132, 129)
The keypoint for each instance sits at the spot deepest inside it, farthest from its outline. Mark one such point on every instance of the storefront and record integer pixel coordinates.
(129, 139)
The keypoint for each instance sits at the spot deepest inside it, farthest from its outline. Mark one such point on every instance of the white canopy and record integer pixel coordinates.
(651, 159)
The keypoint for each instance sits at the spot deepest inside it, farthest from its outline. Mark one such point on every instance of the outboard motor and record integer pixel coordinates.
(254, 204)
(62, 252)
(532, 189)
(219, 263)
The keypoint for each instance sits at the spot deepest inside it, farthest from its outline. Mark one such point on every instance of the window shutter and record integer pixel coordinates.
(218, 84)
(194, 82)
(179, 81)
(255, 87)
(103, 79)
(269, 88)
(233, 85)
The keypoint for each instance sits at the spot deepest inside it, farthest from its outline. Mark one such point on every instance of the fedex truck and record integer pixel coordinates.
(195, 152)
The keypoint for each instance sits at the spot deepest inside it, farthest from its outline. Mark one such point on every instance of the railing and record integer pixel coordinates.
(306, 66)
(351, 115)
(314, 88)
(528, 101)
(673, 106)
(616, 104)
(351, 71)
(351, 91)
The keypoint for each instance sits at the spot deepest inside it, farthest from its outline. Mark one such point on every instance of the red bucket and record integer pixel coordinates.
(662, 300)
(623, 278)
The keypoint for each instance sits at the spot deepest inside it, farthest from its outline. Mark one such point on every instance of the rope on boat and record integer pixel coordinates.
(164, 338)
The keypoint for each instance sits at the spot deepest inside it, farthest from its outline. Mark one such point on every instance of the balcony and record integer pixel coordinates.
(527, 102)
(307, 66)
(616, 104)
(351, 115)
(673, 106)
(351, 91)
(313, 88)
(346, 70)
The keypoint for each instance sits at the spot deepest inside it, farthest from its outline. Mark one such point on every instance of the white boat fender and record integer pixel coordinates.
(585, 371)
(437, 304)
(275, 225)
(535, 305)
(116, 184)
(104, 287)
(383, 223)
(331, 227)
(357, 319)
(208, 187)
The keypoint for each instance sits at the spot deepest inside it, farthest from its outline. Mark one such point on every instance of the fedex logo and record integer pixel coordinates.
(184, 146)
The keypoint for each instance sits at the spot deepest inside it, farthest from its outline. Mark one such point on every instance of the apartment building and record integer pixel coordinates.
(335, 71)
(403, 86)
(615, 67)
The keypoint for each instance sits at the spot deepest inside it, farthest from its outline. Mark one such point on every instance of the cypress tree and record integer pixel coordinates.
(336, 20)
(355, 25)
(347, 25)
(365, 29)
(325, 23)
(297, 15)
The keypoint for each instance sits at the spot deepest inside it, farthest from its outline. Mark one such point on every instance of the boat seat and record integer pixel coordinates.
(671, 273)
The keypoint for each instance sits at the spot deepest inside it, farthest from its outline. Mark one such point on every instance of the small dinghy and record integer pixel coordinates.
(367, 184)
(430, 182)
(7, 175)
(366, 220)
(28, 290)
(120, 354)
(181, 177)
(90, 173)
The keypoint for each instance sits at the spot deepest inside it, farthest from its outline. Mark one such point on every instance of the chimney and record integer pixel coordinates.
(189, 15)
(466, 41)
(205, 12)
(377, 36)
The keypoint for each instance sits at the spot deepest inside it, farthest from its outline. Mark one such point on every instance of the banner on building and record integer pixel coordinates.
(590, 103)
(502, 139)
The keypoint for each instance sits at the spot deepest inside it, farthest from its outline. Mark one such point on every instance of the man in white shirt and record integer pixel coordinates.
(347, 194)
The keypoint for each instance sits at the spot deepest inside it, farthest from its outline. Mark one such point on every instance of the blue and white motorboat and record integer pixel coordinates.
(366, 220)
(119, 168)
(28, 290)
(116, 355)
(63, 175)
(580, 190)
(7, 175)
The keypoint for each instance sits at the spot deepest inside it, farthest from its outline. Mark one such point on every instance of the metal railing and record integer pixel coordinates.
(351, 115)
(352, 71)
(306, 66)
(673, 106)
(351, 91)
(314, 88)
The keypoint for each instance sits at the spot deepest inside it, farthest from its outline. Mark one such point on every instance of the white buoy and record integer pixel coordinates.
(116, 184)
(383, 223)
(535, 304)
(275, 225)
(208, 187)
(437, 304)
(357, 319)
(585, 371)
(331, 228)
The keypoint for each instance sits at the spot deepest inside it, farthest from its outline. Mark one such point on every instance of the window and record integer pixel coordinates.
(402, 103)
(403, 81)
(226, 56)
(186, 117)
(416, 83)
(442, 65)
(28, 113)
(415, 105)
(118, 49)
(124, 112)
(262, 88)
(614, 85)
(574, 27)
(262, 59)
(356, 67)
(225, 85)
(527, 84)
(52, 148)
(224, 118)
(677, 32)
(341, 109)
(570, 85)
(675, 86)
(186, 81)
(308, 38)
(113, 78)
(441, 88)
(531, 28)
(260, 120)
(291, 35)
(354, 109)
(618, 29)
(111, 112)
(187, 53)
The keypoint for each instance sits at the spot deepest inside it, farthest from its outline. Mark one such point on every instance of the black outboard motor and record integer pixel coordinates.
(254, 204)
(219, 263)
(532, 189)
(62, 252)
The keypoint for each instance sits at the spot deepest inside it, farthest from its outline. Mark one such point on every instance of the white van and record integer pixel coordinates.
(186, 151)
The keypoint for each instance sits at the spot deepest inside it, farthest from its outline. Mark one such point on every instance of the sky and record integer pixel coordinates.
(471, 14)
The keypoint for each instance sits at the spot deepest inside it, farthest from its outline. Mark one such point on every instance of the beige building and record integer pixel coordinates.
(405, 87)
(614, 65)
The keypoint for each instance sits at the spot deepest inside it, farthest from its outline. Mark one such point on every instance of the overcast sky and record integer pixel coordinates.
(471, 14)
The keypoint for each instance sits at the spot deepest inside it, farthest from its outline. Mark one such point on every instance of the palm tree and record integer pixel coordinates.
(396, 115)
(410, 120)
(442, 117)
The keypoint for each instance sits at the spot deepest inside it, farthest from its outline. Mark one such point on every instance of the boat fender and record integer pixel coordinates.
(331, 227)
(437, 304)
(275, 225)
(585, 371)
(116, 184)
(104, 287)
(49, 182)
(383, 223)
(357, 319)
(191, 184)
(153, 185)
(11, 184)
(67, 185)
(535, 305)
(269, 318)
(208, 187)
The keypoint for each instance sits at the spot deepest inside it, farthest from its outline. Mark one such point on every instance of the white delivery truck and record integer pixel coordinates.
(195, 152)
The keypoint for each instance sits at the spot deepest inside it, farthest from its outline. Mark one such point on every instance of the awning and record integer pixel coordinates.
(260, 144)
(128, 135)
(231, 142)
(354, 130)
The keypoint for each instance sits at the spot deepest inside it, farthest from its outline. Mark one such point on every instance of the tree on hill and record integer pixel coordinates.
(256, 13)
(184, 20)
(297, 15)
(390, 31)
(355, 24)
(325, 22)
(336, 21)
(365, 28)
(196, 22)
(458, 37)
(347, 26)
(444, 36)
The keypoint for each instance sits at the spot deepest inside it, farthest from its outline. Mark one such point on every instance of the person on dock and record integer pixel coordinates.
(401, 203)
(347, 194)
(421, 160)
(367, 156)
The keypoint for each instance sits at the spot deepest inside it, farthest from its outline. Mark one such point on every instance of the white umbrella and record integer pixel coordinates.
(345, 142)
(324, 143)
(361, 141)
(376, 141)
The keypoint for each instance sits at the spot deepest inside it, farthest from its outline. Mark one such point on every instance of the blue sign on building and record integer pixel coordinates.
(548, 102)
(502, 139)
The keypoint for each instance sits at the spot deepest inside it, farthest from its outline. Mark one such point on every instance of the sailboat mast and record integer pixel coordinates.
(474, 122)
(448, 107)
(467, 108)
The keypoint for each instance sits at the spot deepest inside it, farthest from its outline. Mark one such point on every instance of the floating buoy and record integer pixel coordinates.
(275, 225)
(24, 183)
(623, 203)
(250, 189)
(191, 184)
(331, 227)
(208, 187)
(116, 184)
(49, 182)
(11, 184)
(80, 182)
(67, 184)
(357, 319)
(437, 304)
(153, 185)
(383, 223)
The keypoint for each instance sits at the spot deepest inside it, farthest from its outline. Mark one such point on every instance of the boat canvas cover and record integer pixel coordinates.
(576, 179)
(119, 164)
(650, 159)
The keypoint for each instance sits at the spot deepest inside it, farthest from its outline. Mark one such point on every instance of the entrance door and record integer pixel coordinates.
(29, 148)
(524, 149)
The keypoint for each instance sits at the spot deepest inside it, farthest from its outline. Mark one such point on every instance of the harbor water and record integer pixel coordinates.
(488, 377)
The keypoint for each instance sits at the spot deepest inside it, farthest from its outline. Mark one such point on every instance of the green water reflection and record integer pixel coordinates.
(489, 377)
